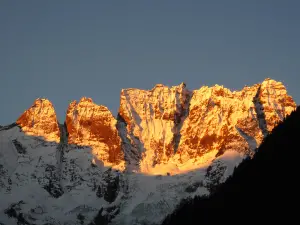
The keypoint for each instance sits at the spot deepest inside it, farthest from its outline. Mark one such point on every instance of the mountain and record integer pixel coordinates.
(92, 125)
(262, 189)
(165, 145)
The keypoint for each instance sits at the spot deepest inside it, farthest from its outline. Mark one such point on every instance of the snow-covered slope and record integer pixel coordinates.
(39, 186)
(166, 144)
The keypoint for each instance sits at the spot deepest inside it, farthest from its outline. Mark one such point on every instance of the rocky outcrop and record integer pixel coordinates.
(93, 125)
(40, 120)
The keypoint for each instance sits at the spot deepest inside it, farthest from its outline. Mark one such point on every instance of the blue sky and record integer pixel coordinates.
(63, 50)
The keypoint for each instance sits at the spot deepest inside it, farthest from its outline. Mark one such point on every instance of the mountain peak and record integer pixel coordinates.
(86, 99)
(277, 103)
(89, 124)
(269, 79)
(42, 100)
(40, 120)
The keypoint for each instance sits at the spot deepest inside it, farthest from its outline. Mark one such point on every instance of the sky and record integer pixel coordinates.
(66, 49)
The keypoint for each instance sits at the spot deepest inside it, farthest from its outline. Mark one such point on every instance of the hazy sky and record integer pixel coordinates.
(63, 50)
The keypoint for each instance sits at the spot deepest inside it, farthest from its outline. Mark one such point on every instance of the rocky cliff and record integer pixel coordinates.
(154, 119)
(221, 120)
(178, 127)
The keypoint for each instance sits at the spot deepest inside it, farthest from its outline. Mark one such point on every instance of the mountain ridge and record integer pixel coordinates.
(166, 124)
(165, 145)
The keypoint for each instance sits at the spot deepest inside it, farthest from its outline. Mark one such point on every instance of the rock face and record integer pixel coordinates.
(220, 120)
(154, 119)
(40, 120)
(277, 104)
(173, 126)
(93, 125)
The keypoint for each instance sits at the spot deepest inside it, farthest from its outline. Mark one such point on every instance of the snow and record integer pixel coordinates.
(152, 197)
(30, 190)
(142, 198)
(250, 140)
(230, 159)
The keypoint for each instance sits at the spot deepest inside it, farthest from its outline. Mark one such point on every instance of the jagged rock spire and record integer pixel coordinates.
(40, 120)
(93, 125)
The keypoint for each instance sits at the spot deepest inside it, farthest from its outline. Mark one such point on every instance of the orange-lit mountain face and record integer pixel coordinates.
(223, 120)
(93, 125)
(40, 120)
(167, 129)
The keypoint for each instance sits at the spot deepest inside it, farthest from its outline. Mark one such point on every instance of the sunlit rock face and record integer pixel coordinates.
(277, 104)
(167, 128)
(93, 125)
(154, 118)
(40, 120)
(177, 129)
(222, 120)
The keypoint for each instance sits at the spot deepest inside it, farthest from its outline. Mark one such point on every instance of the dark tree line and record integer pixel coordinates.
(261, 190)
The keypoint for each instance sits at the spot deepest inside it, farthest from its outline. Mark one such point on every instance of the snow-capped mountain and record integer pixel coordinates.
(165, 145)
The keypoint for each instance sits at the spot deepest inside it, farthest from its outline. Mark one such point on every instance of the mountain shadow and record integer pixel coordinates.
(261, 190)
(36, 175)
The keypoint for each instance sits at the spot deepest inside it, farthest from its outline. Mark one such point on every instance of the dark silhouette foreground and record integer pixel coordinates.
(261, 190)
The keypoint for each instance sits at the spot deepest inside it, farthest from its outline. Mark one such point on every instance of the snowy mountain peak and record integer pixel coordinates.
(40, 120)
